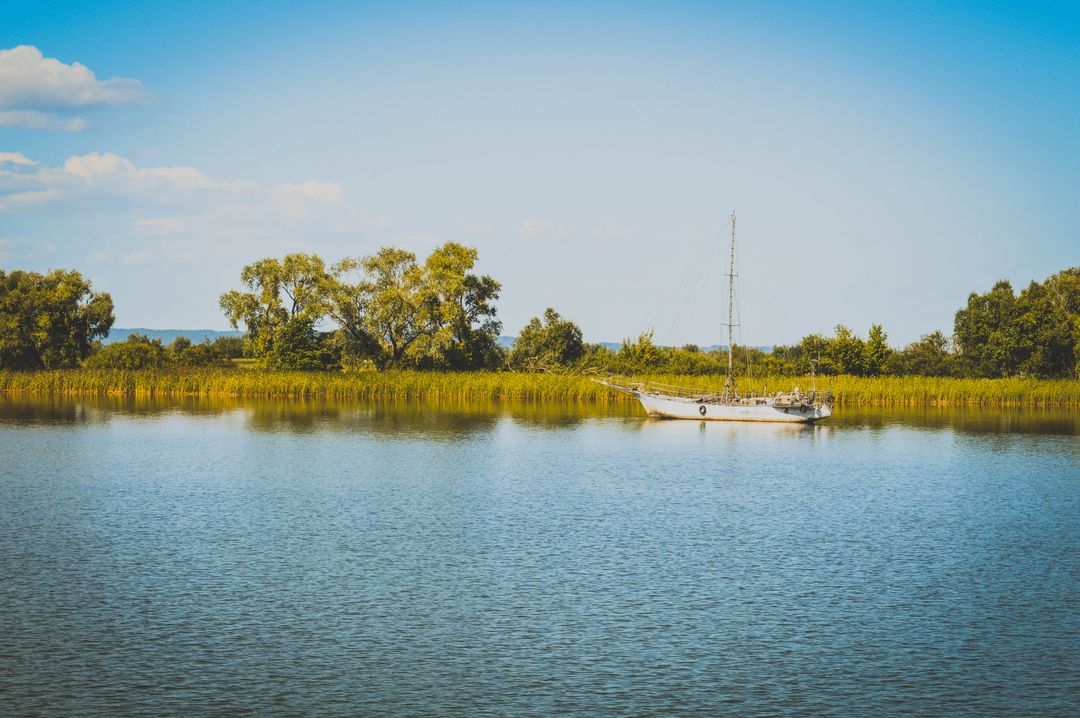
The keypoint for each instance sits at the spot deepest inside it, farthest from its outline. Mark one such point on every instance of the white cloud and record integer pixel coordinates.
(21, 248)
(187, 210)
(42, 93)
(98, 257)
(15, 158)
(542, 229)
(35, 120)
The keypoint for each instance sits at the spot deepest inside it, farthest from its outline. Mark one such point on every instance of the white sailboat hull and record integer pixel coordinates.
(674, 407)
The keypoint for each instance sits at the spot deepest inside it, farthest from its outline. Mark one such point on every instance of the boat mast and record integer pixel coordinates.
(730, 381)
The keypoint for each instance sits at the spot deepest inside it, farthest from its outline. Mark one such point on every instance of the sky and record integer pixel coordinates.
(884, 159)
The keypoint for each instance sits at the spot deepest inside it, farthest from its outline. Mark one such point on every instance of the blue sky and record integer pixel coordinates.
(884, 160)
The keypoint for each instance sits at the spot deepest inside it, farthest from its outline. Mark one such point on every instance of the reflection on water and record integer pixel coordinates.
(222, 557)
(458, 416)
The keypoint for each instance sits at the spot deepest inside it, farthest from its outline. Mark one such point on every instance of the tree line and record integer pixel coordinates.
(390, 310)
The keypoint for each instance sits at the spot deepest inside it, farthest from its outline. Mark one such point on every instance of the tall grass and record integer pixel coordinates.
(850, 391)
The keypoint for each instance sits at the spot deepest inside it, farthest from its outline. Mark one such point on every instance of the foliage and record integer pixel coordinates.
(930, 356)
(293, 288)
(466, 307)
(229, 347)
(49, 321)
(140, 352)
(136, 352)
(298, 346)
(551, 342)
(398, 313)
(876, 352)
(1037, 333)
(640, 355)
(987, 332)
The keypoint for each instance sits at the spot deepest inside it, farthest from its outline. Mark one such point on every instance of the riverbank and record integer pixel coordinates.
(849, 391)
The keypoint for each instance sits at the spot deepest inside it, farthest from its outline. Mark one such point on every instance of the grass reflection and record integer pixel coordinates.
(457, 417)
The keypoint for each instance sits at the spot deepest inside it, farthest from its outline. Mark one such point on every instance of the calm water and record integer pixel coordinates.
(367, 559)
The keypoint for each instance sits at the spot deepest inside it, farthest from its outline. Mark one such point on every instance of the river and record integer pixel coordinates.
(294, 558)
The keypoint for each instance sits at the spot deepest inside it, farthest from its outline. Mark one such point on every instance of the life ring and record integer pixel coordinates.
(702, 410)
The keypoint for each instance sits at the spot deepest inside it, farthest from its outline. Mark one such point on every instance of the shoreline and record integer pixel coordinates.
(408, 384)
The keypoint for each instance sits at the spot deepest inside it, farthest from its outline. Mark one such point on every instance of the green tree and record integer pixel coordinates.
(229, 347)
(848, 352)
(384, 313)
(930, 356)
(876, 352)
(1065, 289)
(547, 343)
(294, 288)
(987, 333)
(1046, 331)
(396, 312)
(136, 352)
(298, 347)
(640, 355)
(811, 349)
(49, 321)
(466, 307)
(183, 352)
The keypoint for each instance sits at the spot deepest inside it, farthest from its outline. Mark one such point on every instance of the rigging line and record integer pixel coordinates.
(704, 256)
(689, 295)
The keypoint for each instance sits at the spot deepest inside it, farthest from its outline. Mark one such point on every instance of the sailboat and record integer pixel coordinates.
(673, 402)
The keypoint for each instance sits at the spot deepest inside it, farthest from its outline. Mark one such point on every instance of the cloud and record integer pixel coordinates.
(42, 93)
(188, 210)
(98, 257)
(542, 229)
(21, 248)
(15, 158)
(34, 120)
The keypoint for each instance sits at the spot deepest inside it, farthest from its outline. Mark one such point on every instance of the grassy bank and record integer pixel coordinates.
(851, 391)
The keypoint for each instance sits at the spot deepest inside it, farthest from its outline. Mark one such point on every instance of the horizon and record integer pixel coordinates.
(885, 162)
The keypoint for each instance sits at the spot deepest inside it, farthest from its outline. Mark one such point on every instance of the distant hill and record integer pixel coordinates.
(197, 336)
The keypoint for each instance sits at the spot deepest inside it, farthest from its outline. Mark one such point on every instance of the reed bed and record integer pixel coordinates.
(247, 383)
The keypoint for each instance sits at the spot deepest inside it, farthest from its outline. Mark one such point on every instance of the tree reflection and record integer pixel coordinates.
(456, 419)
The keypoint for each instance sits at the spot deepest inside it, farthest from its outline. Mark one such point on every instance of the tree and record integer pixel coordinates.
(136, 352)
(396, 312)
(229, 347)
(299, 347)
(986, 332)
(466, 306)
(1065, 289)
(49, 321)
(813, 349)
(930, 356)
(848, 352)
(640, 355)
(294, 288)
(876, 351)
(183, 352)
(1047, 334)
(548, 342)
(384, 314)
